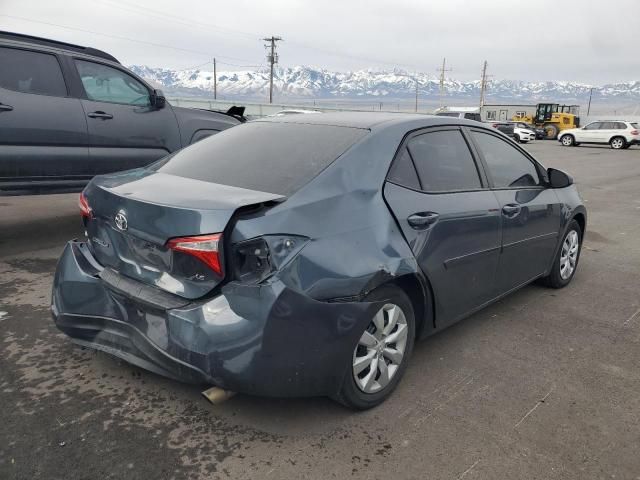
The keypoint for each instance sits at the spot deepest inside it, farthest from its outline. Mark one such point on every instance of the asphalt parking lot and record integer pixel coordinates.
(542, 385)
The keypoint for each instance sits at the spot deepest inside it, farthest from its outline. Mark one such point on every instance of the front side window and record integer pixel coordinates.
(444, 162)
(508, 167)
(31, 72)
(593, 126)
(107, 84)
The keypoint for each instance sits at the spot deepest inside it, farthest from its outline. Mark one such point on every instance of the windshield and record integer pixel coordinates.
(270, 157)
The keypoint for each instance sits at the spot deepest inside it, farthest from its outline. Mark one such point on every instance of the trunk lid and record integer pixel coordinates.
(152, 208)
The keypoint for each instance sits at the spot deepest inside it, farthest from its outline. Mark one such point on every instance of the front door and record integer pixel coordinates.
(503, 115)
(449, 218)
(589, 133)
(43, 133)
(125, 130)
(530, 211)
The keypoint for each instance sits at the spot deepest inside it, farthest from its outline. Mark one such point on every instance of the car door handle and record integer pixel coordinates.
(422, 220)
(511, 210)
(5, 108)
(99, 114)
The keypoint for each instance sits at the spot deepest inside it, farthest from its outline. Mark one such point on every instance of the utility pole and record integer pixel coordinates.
(215, 81)
(442, 70)
(272, 58)
(589, 107)
(483, 85)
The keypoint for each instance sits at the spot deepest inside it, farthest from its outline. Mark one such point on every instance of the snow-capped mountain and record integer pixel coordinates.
(307, 82)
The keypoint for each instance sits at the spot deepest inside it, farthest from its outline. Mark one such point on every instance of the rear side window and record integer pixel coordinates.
(105, 84)
(620, 126)
(270, 157)
(403, 171)
(508, 166)
(444, 162)
(31, 72)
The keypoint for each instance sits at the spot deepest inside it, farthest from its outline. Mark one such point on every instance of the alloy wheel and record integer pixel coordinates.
(567, 141)
(617, 143)
(569, 254)
(380, 350)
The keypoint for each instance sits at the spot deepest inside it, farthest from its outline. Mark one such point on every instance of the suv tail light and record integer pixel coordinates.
(635, 132)
(205, 248)
(85, 209)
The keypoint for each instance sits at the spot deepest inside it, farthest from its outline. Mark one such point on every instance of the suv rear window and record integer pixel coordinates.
(270, 157)
(31, 72)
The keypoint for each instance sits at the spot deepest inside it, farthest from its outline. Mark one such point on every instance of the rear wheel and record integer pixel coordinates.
(567, 140)
(566, 261)
(551, 130)
(381, 355)
(617, 143)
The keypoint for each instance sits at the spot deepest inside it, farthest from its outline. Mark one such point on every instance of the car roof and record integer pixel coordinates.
(46, 42)
(369, 120)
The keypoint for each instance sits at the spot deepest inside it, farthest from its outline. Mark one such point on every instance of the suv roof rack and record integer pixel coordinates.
(21, 37)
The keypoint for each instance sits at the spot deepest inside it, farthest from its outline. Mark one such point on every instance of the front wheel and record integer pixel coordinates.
(567, 140)
(517, 138)
(566, 261)
(381, 355)
(617, 143)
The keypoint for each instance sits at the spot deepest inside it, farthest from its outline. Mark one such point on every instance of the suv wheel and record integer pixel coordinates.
(567, 140)
(381, 355)
(617, 143)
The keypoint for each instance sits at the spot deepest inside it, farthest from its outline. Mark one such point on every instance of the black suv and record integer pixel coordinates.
(68, 113)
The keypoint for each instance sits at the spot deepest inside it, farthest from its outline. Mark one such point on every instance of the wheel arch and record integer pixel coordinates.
(418, 289)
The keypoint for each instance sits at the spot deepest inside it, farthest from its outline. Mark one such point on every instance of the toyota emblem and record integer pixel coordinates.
(121, 221)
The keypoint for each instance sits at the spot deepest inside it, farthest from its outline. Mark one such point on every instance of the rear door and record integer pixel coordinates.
(43, 132)
(125, 130)
(530, 211)
(449, 217)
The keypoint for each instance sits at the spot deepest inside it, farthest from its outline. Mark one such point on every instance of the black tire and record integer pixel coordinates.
(551, 130)
(618, 143)
(567, 140)
(626, 146)
(555, 279)
(516, 137)
(350, 393)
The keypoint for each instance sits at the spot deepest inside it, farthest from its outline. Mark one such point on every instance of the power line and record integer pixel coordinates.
(188, 22)
(118, 37)
(272, 58)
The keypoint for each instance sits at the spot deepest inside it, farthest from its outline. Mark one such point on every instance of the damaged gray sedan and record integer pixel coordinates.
(304, 255)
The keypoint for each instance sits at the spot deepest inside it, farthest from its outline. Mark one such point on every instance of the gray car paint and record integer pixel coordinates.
(49, 142)
(294, 333)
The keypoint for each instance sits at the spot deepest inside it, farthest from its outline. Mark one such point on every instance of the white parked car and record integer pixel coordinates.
(617, 133)
(523, 133)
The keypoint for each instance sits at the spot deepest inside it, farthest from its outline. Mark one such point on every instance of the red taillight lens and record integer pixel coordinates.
(203, 247)
(85, 209)
(634, 132)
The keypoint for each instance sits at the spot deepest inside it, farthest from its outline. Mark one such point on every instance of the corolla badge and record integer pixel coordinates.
(121, 221)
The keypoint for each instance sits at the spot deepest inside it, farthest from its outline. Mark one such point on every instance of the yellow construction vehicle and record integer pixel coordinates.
(553, 117)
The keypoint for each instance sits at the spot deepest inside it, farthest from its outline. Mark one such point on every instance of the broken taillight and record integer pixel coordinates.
(85, 209)
(205, 248)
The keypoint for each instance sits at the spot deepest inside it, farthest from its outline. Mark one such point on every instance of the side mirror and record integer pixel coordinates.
(158, 99)
(558, 179)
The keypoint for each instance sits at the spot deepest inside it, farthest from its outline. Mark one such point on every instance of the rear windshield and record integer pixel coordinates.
(634, 125)
(269, 157)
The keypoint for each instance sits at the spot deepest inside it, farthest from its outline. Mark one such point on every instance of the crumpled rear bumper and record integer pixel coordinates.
(263, 339)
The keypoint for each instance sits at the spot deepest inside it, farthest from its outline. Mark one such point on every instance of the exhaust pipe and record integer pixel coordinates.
(217, 395)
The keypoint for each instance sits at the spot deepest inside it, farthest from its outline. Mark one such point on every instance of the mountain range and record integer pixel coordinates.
(304, 82)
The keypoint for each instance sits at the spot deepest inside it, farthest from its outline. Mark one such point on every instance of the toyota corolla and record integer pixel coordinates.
(304, 255)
